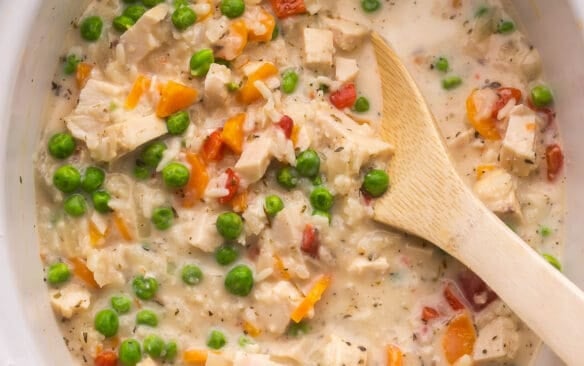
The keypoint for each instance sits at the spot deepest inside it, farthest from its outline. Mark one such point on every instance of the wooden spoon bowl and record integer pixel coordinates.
(427, 198)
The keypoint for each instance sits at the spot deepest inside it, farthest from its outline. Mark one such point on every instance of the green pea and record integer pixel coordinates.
(451, 82)
(276, 32)
(553, 261)
(229, 225)
(67, 178)
(106, 322)
(61, 145)
(58, 273)
(170, 351)
(321, 199)
(361, 105)
(541, 96)
(141, 172)
(162, 218)
(272, 205)
(232, 8)
(71, 63)
(147, 317)
(134, 12)
(92, 179)
(100, 201)
(121, 304)
(297, 329)
(308, 163)
(239, 281)
(75, 205)
(151, 3)
(370, 6)
(226, 254)
(152, 154)
(90, 28)
(175, 175)
(122, 23)
(178, 123)
(505, 27)
(375, 183)
(324, 214)
(183, 17)
(191, 274)
(145, 287)
(130, 352)
(289, 81)
(287, 177)
(442, 64)
(154, 346)
(216, 340)
(180, 3)
(129, 1)
(201, 62)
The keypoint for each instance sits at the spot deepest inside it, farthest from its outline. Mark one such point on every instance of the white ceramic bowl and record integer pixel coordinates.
(30, 36)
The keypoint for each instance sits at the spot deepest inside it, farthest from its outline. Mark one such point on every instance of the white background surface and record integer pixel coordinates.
(28, 334)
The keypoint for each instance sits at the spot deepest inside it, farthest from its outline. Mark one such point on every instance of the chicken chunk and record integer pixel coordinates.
(146, 35)
(497, 191)
(250, 359)
(518, 149)
(346, 69)
(338, 352)
(70, 300)
(318, 48)
(215, 85)
(274, 304)
(347, 34)
(255, 159)
(498, 341)
(198, 229)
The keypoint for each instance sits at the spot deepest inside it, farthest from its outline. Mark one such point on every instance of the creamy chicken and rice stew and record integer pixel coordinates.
(208, 168)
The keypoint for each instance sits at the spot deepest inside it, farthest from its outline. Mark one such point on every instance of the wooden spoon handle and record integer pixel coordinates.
(551, 305)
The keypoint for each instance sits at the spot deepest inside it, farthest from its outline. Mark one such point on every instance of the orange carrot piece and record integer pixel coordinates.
(311, 298)
(198, 180)
(459, 338)
(232, 134)
(95, 237)
(141, 84)
(281, 268)
(482, 169)
(269, 23)
(195, 356)
(82, 74)
(485, 126)
(239, 202)
(294, 137)
(248, 92)
(394, 356)
(122, 227)
(175, 97)
(80, 270)
(251, 329)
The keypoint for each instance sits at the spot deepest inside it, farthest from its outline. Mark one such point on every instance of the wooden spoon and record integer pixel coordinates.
(427, 198)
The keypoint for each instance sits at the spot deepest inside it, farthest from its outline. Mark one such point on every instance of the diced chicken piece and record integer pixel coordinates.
(313, 6)
(109, 134)
(215, 85)
(147, 362)
(146, 35)
(359, 143)
(497, 191)
(106, 266)
(362, 265)
(274, 302)
(318, 48)
(495, 309)
(498, 341)
(249, 359)
(254, 217)
(338, 352)
(198, 229)
(255, 159)
(214, 359)
(347, 34)
(346, 69)
(70, 300)
(531, 65)
(518, 148)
